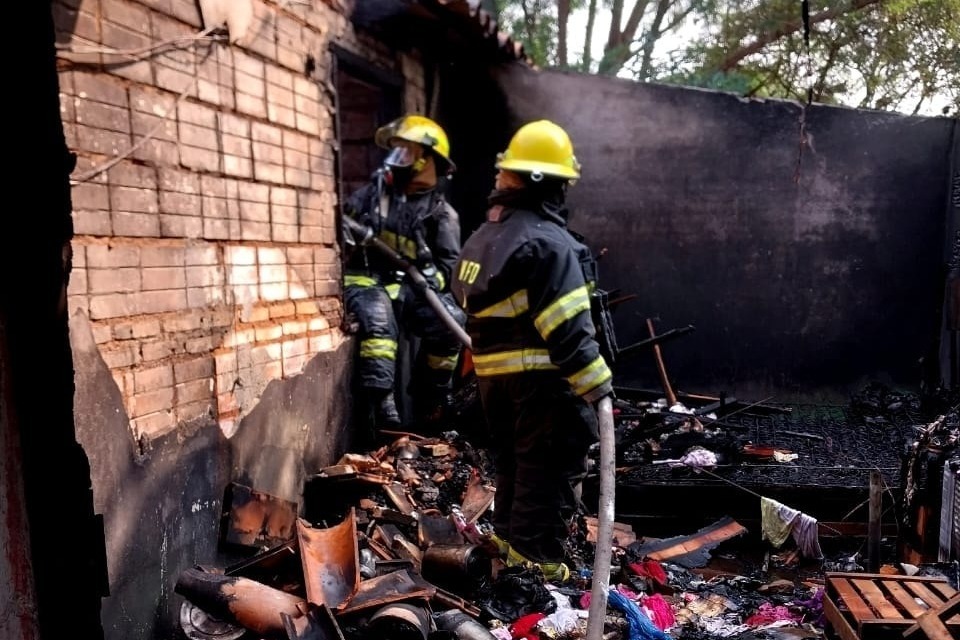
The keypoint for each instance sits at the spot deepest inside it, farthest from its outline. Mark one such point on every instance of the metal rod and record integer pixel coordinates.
(658, 339)
(754, 493)
(873, 529)
(605, 516)
(661, 367)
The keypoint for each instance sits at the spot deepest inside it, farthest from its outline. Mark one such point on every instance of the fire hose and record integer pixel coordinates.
(605, 512)
(365, 237)
(605, 516)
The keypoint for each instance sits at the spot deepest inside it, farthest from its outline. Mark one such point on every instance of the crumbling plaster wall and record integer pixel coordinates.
(204, 299)
(803, 274)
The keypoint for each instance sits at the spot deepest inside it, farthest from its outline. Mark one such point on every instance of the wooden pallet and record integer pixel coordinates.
(865, 606)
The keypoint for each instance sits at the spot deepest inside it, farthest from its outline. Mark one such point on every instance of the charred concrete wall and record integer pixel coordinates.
(803, 267)
(204, 300)
(52, 568)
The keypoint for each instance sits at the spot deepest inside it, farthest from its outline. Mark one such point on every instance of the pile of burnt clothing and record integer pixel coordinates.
(394, 543)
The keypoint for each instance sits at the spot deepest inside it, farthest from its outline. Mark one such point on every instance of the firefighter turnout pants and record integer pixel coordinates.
(380, 315)
(540, 435)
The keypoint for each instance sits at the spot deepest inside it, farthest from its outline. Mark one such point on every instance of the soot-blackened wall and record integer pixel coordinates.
(804, 268)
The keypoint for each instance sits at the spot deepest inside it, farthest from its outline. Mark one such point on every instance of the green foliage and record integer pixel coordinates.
(886, 54)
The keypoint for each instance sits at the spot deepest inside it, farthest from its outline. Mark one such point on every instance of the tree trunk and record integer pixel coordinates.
(653, 34)
(588, 38)
(617, 51)
(563, 16)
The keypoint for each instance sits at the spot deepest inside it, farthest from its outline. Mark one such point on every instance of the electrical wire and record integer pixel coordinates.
(139, 53)
(754, 493)
(106, 166)
(142, 51)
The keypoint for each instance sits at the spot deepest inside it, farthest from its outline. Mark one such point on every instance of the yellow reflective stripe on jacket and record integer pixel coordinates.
(378, 348)
(393, 290)
(563, 308)
(512, 307)
(590, 377)
(406, 246)
(441, 281)
(516, 361)
(442, 363)
(359, 281)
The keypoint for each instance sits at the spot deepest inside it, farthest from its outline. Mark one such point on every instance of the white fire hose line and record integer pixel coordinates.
(605, 517)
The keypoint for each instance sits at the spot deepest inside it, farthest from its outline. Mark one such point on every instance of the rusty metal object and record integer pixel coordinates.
(456, 566)
(435, 528)
(661, 367)
(331, 561)
(317, 624)
(462, 625)
(279, 567)
(399, 621)
(398, 543)
(392, 587)
(399, 497)
(452, 601)
(477, 499)
(239, 600)
(692, 551)
(256, 519)
(197, 624)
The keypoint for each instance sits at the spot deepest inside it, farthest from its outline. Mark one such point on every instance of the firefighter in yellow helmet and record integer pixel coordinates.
(404, 206)
(525, 282)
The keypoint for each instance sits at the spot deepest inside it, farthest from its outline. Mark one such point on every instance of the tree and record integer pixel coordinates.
(886, 54)
(635, 29)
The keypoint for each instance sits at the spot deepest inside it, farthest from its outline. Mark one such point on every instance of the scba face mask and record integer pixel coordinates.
(402, 163)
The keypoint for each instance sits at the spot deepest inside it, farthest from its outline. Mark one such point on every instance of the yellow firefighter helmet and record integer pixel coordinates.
(418, 129)
(541, 148)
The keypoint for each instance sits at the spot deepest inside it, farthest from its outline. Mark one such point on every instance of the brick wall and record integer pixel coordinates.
(205, 258)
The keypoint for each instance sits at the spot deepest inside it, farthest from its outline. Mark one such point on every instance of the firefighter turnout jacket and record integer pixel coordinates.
(525, 283)
(421, 226)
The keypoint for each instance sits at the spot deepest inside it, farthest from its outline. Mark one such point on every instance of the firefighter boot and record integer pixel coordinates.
(552, 571)
(385, 409)
(434, 404)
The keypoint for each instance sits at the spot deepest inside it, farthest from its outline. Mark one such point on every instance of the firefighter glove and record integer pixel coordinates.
(432, 275)
(357, 233)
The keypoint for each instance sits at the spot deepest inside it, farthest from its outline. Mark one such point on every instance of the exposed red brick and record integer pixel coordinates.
(152, 378)
(102, 116)
(125, 280)
(194, 369)
(100, 88)
(157, 278)
(197, 158)
(154, 424)
(162, 301)
(175, 226)
(93, 223)
(102, 256)
(162, 256)
(133, 199)
(160, 349)
(194, 391)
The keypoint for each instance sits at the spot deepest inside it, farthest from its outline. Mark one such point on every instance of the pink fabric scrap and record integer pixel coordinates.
(768, 614)
(660, 611)
(627, 592)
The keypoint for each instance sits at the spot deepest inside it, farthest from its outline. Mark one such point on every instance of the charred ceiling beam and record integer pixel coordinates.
(451, 27)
